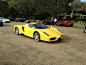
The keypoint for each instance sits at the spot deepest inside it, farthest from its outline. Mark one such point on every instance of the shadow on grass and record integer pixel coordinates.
(65, 26)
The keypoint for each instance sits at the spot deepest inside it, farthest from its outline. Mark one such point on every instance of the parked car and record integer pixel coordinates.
(21, 19)
(47, 22)
(1, 23)
(65, 23)
(31, 21)
(11, 19)
(39, 31)
(36, 20)
(4, 20)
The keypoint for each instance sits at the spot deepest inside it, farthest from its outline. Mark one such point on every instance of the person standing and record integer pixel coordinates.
(55, 20)
(52, 20)
(78, 20)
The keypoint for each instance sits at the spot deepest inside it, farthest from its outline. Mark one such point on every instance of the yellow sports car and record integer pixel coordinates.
(38, 31)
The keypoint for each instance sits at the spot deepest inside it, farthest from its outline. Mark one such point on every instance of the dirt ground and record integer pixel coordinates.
(22, 50)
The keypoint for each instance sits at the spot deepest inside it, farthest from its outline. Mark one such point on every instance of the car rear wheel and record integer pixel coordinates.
(17, 31)
(61, 24)
(84, 31)
(37, 36)
(71, 25)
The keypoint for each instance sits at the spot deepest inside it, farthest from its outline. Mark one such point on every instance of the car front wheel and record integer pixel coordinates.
(37, 36)
(17, 31)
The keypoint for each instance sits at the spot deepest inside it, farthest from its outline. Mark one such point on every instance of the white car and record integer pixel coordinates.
(4, 20)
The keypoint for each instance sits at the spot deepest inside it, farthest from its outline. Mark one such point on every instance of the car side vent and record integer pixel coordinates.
(23, 28)
(53, 38)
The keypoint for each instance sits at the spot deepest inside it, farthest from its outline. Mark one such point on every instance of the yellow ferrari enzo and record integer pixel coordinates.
(38, 31)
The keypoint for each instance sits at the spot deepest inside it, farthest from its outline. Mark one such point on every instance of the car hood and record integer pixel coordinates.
(51, 32)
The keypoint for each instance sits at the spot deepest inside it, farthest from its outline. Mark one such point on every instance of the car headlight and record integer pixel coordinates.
(3, 20)
(45, 33)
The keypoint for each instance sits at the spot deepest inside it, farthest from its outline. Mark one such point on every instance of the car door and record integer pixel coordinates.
(29, 30)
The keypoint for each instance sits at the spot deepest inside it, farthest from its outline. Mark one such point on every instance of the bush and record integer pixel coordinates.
(49, 18)
(83, 19)
(31, 17)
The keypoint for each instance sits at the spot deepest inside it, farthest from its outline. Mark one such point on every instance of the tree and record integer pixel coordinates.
(21, 7)
(39, 8)
(63, 5)
(3, 8)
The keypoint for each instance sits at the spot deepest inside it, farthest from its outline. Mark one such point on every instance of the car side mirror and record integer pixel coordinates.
(33, 27)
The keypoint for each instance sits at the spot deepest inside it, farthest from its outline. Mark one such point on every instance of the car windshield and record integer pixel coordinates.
(49, 21)
(2, 18)
(40, 26)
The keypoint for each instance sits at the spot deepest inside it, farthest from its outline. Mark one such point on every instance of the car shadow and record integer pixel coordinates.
(60, 41)
(66, 26)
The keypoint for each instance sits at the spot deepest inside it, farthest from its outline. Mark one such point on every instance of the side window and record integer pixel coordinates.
(31, 25)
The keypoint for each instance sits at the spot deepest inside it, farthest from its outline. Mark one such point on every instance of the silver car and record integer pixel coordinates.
(4, 20)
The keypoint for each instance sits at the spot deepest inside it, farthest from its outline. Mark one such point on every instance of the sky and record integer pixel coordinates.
(83, 0)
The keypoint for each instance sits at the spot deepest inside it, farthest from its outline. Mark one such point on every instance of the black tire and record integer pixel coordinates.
(2, 21)
(84, 31)
(37, 36)
(71, 25)
(2, 25)
(61, 24)
(16, 31)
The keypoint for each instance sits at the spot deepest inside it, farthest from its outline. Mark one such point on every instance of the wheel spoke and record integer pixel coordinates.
(36, 37)
(16, 31)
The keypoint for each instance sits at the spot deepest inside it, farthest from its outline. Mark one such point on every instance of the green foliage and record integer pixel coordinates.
(31, 17)
(38, 9)
(49, 18)
(4, 10)
(79, 4)
(83, 19)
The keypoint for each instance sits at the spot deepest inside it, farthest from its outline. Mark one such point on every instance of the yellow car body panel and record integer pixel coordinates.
(53, 33)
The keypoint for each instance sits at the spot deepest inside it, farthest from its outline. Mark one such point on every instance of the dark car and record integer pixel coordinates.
(48, 22)
(1, 23)
(21, 20)
(11, 19)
